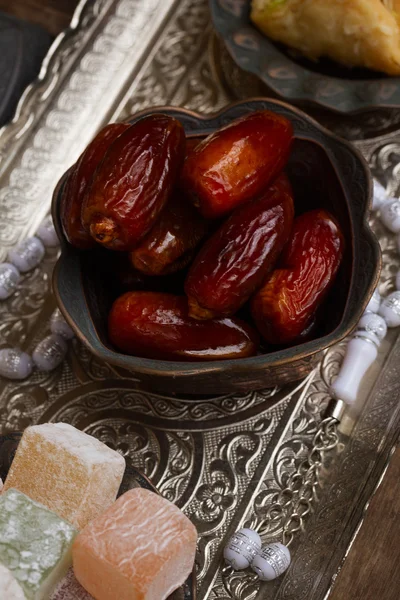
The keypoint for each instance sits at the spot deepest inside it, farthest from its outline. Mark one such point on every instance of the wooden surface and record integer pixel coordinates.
(371, 571)
(53, 15)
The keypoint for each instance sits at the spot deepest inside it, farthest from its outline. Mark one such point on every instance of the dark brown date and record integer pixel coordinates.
(155, 325)
(123, 277)
(78, 180)
(169, 244)
(237, 163)
(134, 181)
(235, 261)
(284, 308)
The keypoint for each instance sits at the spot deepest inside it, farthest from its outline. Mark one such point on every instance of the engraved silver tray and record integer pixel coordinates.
(220, 459)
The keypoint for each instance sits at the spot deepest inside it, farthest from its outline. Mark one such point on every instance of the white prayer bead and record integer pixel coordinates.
(373, 327)
(15, 364)
(390, 215)
(390, 309)
(9, 279)
(27, 255)
(242, 548)
(47, 233)
(374, 304)
(60, 326)
(50, 352)
(379, 195)
(361, 352)
(272, 561)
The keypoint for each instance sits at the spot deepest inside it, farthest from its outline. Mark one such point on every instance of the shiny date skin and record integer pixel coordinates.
(284, 308)
(157, 325)
(134, 181)
(235, 261)
(237, 163)
(169, 244)
(78, 180)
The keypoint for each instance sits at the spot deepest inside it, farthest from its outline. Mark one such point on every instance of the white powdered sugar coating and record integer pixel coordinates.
(85, 447)
(35, 544)
(71, 473)
(9, 588)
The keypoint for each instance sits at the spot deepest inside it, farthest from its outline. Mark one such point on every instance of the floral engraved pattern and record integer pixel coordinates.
(215, 498)
(221, 459)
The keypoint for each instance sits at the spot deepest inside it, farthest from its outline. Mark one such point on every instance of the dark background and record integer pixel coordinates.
(371, 571)
(53, 15)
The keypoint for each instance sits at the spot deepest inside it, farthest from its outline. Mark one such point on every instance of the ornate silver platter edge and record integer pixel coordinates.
(220, 459)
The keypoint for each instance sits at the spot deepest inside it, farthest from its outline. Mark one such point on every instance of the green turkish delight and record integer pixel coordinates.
(35, 544)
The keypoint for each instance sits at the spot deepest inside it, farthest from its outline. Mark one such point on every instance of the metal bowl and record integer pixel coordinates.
(325, 172)
(297, 79)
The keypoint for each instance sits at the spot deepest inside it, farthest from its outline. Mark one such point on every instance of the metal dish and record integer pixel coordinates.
(325, 171)
(132, 478)
(299, 80)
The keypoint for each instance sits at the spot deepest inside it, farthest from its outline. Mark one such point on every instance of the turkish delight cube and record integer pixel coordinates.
(35, 544)
(9, 588)
(142, 548)
(72, 473)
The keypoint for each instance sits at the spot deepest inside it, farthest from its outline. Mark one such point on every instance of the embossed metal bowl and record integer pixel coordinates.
(299, 80)
(325, 172)
(132, 479)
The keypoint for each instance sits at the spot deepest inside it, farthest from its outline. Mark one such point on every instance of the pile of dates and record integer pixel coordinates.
(220, 213)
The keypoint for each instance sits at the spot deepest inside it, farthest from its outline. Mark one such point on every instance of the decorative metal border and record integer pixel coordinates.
(93, 61)
(120, 56)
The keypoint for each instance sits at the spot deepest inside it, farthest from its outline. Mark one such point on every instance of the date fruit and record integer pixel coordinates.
(235, 261)
(157, 325)
(122, 277)
(169, 245)
(77, 182)
(237, 163)
(134, 181)
(284, 308)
